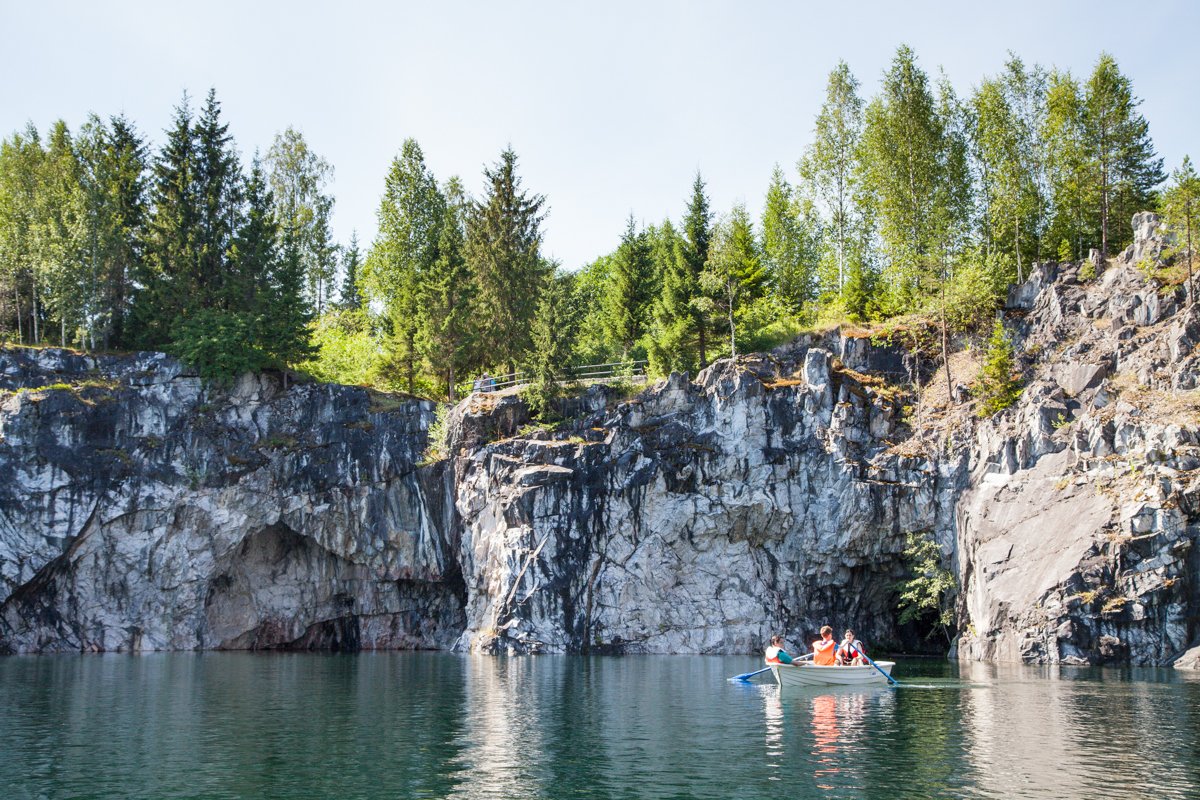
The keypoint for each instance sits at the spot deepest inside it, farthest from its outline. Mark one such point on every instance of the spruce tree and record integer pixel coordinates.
(734, 274)
(682, 320)
(551, 330)
(503, 250)
(448, 294)
(629, 290)
(218, 187)
(164, 277)
(999, 389)
(350, 296)
(125, 214)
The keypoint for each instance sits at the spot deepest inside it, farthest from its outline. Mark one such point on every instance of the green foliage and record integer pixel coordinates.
(734, 273)
(437, 447)
(503, 247)
(928, 593)
(999, 389)
(789, 244)
(219, 344)
(629, 290)
(552, 331)
(680, 318)
(346, 349)
(411, 214)
(1181, 203)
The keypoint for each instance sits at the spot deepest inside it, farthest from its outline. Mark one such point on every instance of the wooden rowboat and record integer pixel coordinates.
(789, 675)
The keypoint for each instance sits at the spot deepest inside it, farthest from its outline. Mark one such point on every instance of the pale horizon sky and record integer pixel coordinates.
(611, 108)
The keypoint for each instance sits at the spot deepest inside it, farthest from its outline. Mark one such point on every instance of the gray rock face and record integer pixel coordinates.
(142, 509)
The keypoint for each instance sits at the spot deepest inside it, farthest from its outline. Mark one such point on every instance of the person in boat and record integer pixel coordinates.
(824, 654)
(776, 654)
(851, 651)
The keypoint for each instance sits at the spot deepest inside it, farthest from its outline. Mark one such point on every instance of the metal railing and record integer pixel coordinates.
(588, 373)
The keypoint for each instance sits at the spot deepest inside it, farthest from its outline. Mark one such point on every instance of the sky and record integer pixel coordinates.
(611, 107)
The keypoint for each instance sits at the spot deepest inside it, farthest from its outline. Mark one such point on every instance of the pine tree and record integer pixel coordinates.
(504, 240)
(125, 213)
(351, 297)
(448, 294)
(1120, 154)
(629, 290)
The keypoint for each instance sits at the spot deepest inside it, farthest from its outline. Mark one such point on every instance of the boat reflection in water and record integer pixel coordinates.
(834, 720)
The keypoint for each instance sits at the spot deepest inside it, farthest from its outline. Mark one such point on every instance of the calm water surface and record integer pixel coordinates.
(438, 725)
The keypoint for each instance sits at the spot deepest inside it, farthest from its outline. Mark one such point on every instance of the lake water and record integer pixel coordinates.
(409, 725)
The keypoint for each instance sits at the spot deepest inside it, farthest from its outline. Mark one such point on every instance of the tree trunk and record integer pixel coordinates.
(946, 347)
(1188, 215)
(33, 317)
(732, 337)
(703, 343)
(1017, 236)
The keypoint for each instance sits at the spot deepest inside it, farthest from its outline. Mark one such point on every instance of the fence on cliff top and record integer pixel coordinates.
(589, 373)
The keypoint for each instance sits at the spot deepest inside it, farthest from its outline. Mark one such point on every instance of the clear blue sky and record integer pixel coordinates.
(612, 106)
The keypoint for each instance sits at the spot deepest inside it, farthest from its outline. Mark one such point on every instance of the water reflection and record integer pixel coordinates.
(439, 725)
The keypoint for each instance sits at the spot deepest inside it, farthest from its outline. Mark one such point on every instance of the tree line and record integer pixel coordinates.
(914, 201)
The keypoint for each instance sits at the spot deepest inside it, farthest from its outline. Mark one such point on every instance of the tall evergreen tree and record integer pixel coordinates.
(405, 249)
(350, 296)
(629, 291)
(504, 240)
(551, 331)
(734, 274)
(165, 276)
(218, 187)
(682, 318)
(1120, 154)
(448, 294)
(62, 234)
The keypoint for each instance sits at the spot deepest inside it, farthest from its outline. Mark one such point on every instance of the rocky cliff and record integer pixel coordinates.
(143, 509)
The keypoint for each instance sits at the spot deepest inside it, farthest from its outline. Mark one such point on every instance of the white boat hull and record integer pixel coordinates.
(789, 675)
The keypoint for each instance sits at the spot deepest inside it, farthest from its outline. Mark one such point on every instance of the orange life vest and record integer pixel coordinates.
(823, 652)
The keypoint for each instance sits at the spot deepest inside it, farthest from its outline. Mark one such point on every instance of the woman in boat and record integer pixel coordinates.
(823, 648)
(776, 654)
(851, 651)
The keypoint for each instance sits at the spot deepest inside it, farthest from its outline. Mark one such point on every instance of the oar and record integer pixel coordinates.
(891, 680)
(746, 676)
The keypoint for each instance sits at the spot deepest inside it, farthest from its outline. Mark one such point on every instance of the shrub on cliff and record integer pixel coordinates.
(927, 595)
(999, 389)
